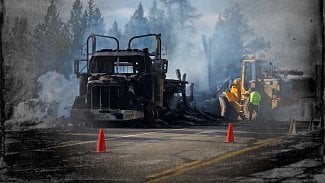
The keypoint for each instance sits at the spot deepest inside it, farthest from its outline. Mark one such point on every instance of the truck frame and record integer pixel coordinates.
(123, 85)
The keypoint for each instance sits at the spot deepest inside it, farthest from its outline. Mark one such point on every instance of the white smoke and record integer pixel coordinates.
(189, 58)
(53, 104)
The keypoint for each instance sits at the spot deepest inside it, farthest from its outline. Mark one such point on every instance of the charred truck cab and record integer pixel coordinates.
(121, 85)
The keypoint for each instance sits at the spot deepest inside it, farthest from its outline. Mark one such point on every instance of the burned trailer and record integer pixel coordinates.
(118, 86)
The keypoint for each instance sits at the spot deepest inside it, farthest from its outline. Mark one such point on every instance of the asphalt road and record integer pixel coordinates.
(189, 154)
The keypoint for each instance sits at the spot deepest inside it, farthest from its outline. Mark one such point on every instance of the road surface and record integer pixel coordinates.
(188, 154)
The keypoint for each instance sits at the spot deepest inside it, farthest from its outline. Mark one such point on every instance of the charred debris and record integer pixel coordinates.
(130, 87)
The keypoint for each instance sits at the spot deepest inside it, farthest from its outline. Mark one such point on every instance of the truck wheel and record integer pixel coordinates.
(148, 114)
(79, 103)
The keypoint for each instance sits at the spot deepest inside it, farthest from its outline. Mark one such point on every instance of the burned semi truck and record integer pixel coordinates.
(123, 85)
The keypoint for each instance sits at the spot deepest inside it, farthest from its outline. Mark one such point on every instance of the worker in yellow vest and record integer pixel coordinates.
(254, 102)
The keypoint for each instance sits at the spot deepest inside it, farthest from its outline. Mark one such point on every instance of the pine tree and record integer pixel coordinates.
(115, 31)
(77, 26)
(138, 25)
(232, 39)
(257, 44)
(179, 24)
(184, 13)
(91, 11)
(19, 62)
(6, 39)
(95, 20)
(53, 43)
(99, 22)
(156, 18)
(84, 23)
(19, 37)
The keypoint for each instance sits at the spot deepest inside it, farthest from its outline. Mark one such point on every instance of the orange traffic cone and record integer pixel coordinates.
(230, 134)
(101, 145)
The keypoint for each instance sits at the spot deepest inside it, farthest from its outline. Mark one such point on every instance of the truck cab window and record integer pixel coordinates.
(125, 68)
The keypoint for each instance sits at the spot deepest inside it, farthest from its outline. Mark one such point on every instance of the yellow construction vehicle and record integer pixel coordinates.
(278, 88)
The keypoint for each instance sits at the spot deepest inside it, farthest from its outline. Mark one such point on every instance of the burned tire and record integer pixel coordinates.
(79, 103)
(230, 112)
(148, 114)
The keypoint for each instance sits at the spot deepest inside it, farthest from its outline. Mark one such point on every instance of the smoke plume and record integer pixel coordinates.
(52, 105)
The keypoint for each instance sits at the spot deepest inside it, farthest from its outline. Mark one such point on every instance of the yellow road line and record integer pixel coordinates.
(201, 163)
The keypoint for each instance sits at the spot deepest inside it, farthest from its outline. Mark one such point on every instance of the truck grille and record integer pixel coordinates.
(105, 97)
